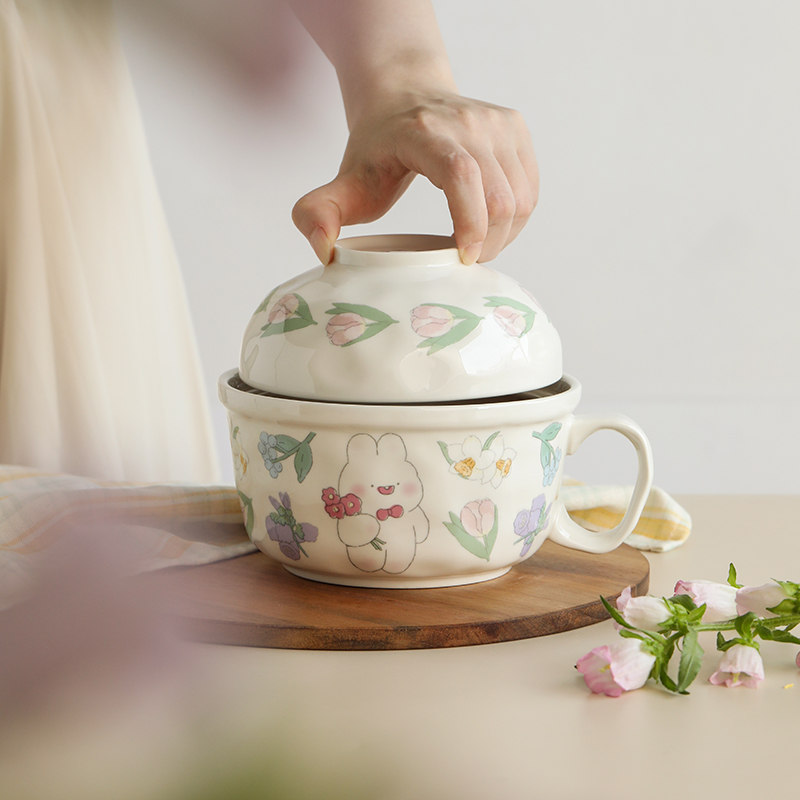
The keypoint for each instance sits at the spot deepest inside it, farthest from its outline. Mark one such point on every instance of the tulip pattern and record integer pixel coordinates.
(515, 318)
(441, 326)
(352, 323)
(476, 527)
(290, 313)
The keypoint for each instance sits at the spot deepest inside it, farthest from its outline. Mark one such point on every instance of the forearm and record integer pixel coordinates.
(379, 48)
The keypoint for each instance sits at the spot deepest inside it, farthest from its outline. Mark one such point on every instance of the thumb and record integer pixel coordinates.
(319, 215)
(347, 200)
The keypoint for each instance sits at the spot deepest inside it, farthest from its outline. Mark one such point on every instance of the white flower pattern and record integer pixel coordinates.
(476, 461)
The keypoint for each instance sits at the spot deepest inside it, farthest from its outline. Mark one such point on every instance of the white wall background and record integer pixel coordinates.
(666, 245)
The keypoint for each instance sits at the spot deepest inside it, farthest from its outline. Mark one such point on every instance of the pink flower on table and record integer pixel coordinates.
(430, 321)
(646, 613)
(759, 598)
(510, 320)
(616, 668)
(477, 517)
(283, 309)
(718, 598)
(345, 328)
(740, 665)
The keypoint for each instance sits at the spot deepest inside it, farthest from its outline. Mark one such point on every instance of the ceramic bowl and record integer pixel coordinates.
(413, 496)
(399, 319)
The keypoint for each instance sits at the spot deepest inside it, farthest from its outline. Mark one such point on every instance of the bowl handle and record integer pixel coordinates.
(569, 533)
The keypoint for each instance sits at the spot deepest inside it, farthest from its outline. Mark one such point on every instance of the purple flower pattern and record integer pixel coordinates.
(284, 529)
(529, 522)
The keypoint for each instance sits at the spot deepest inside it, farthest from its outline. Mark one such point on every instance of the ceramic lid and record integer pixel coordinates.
(399, 319)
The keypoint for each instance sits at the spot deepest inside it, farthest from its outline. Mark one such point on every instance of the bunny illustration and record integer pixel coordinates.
(381, 490)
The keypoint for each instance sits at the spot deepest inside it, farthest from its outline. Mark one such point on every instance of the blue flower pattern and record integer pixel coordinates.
(552, 467)
(267, 447)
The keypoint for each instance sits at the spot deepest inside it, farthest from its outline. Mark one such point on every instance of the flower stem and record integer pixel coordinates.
(771, 623)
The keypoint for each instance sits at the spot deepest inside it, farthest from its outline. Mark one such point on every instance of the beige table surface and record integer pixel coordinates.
(510, 720)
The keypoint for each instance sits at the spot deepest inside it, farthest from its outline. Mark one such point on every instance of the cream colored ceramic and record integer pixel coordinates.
(399, 319)
(410, 496)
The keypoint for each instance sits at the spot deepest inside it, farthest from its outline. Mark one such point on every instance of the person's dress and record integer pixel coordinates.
(99, 372)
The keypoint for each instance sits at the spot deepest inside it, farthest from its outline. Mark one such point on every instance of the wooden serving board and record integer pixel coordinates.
(253, 601)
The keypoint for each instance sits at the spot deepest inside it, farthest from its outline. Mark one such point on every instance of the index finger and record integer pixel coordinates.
(449, 167)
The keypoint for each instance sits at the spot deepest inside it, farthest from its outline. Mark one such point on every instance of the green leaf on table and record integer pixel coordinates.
(691, 660)
(791, 588)
(684, 600)
(732, 577)
(779, 636)
(696, 615)
(787, 606)
(615, 615)
(665, 679)
(744, 624)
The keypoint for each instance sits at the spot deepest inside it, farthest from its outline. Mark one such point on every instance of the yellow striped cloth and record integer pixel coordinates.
(177, 525)
(663, 526)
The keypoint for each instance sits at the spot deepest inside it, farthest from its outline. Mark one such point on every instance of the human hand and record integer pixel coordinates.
(480, 155)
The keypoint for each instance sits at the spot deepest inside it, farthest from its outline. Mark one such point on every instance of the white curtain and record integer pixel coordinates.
(99, 372)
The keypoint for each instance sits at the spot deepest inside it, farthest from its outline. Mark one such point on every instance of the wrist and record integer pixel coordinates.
(405, 81)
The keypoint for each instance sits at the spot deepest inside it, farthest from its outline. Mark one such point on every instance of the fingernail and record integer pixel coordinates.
(469, 255)
(321, 244)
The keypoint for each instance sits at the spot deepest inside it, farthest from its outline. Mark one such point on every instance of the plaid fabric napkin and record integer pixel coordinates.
(156, 525)
(663, 526)
(176, 525)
